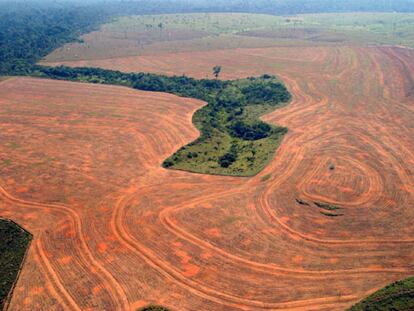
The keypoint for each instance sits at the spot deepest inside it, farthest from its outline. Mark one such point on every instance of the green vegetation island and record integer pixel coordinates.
(233, 140)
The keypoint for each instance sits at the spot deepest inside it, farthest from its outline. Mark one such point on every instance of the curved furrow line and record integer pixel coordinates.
(64, 298)
(192, 286)
(374, 180)
(270, 213)
(165, 218)
(267, 268)
(118, 294)
(266, 206)
(405, 69)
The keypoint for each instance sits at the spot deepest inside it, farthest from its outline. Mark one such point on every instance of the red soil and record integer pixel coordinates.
(113, 230)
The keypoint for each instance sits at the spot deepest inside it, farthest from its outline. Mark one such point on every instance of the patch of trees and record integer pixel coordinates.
(396, 296)
(13, 244)
(254, 131)
(264, 90)
(226, 112)
(228, 158)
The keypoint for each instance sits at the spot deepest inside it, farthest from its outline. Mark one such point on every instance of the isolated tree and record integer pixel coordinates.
(216, 71)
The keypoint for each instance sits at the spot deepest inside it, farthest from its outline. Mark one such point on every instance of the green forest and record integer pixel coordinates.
(28, 33)
(13, 244)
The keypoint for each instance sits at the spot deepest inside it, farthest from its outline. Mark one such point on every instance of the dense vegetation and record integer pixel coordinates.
(13, 244)
(29, 32)
(398, 296)
(233, 140)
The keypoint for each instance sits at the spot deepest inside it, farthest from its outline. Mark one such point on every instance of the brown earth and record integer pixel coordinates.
(309, 34)
(113, 230)
(96, 46)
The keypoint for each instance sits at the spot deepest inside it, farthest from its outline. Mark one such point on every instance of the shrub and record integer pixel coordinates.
(167, 164)
(253, 131)
(266, 177)
(227, 159)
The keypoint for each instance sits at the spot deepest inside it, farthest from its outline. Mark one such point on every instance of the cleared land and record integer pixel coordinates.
(113, 229)
(161, 34)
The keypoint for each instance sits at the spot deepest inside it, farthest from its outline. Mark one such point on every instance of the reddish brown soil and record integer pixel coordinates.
(113, 230)
(106, 43)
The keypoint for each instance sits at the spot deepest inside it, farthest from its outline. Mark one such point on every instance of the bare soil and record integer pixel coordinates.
(113, 230)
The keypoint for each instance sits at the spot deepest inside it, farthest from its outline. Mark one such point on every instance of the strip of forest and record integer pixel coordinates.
(233, 141)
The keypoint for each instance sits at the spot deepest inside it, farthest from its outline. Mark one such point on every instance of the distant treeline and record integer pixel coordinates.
(29, 32)
(31, 29)
(287, 7)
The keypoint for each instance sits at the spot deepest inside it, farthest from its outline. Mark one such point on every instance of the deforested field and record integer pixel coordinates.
(174, 33)
(325, 224)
